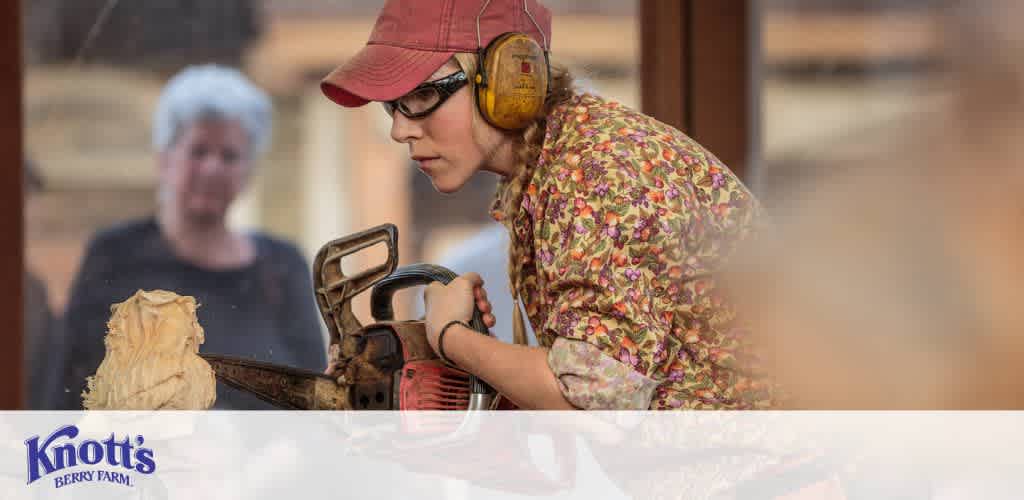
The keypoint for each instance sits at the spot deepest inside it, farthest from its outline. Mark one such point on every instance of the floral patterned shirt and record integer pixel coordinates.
(622, 223)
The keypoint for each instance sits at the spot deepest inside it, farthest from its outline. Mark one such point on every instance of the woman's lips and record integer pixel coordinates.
(426, 162)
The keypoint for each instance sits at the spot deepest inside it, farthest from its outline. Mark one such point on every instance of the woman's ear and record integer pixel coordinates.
(162, 161)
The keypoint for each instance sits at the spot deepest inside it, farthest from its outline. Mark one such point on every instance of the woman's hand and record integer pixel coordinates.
(455, 301)
(334, 362)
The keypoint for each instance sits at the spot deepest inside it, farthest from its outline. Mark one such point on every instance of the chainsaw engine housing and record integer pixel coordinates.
(390, 366)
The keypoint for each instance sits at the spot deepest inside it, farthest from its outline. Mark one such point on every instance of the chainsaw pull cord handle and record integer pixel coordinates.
(382, 309)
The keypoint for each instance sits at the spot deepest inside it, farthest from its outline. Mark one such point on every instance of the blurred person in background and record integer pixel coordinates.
(255, 292)
(42, 364)
(618, 222)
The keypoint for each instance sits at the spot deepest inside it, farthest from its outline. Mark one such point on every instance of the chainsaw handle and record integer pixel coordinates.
(334, 290)
(425, 274)
(414, 275)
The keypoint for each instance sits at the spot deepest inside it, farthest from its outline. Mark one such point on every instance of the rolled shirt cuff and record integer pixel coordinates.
(592, 380)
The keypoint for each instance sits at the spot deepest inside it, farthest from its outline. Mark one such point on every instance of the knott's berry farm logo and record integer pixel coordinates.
(58, 452)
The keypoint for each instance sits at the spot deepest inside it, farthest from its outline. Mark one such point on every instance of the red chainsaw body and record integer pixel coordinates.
(391, 366)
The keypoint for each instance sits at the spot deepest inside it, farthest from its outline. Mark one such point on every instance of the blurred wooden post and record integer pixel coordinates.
(664, 79)
(696, 72)
(11, 265)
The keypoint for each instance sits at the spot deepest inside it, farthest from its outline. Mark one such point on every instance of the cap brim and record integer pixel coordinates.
(381, 73)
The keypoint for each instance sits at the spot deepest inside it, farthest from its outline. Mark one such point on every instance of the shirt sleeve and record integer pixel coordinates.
(630, 288)
(600, 292)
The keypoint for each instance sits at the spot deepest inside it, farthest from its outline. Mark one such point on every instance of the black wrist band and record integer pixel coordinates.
(440, 340)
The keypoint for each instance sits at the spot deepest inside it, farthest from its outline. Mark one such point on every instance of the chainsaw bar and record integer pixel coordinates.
(279, 385)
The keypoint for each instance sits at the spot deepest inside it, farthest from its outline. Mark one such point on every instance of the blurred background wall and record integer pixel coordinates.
(827, 73)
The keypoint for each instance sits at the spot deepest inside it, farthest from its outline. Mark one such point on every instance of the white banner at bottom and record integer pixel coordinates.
(366, 455)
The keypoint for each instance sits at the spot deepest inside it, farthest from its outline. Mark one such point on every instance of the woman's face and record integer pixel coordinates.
(206, 169)
(443, 143)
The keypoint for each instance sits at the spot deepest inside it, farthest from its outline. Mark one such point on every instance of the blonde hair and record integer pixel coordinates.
(528, 142)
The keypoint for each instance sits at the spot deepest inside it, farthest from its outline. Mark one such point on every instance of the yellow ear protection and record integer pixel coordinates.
(512, 79)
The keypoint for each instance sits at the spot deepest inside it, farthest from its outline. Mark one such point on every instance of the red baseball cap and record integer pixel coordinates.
(412, 38)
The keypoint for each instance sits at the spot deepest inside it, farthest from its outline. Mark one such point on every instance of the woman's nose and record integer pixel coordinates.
(404, 130)
(210, 164)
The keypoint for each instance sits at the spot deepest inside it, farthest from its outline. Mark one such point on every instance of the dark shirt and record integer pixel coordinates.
(264, 310)
(43, 355)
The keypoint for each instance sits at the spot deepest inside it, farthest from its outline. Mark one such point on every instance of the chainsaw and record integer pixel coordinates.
(386, 365)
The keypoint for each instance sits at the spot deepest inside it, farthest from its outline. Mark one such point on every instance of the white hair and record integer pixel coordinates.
(211, 92)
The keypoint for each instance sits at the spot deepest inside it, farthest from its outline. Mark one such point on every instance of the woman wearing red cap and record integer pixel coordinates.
(618, 221)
